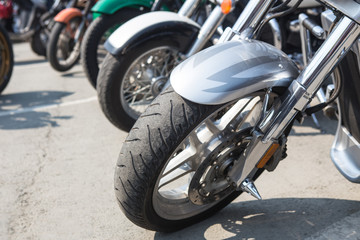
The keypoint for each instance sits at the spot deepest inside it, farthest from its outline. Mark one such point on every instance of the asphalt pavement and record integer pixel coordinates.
(57, 159)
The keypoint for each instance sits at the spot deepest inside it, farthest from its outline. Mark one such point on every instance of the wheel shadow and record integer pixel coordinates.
(308, 127)
(289, 218)
(26, 110)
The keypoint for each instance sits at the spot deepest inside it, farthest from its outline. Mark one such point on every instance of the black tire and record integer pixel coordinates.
(95, 37)
(111, 81)
(6, 59)
(159, 135)
(61, 41)
(38, 43)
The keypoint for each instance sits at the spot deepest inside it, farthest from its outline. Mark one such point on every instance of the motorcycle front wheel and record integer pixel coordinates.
(63, 50)
(172, 169)
(127, 84)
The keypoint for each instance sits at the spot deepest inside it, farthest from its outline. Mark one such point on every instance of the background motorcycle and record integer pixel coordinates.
(108, 15)
(63, 50)
(6, 58)
(196, 149)
(32, 21)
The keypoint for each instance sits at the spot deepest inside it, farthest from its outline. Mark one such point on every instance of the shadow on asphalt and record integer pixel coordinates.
(288, 218)
(327, 126)
(21, 63)
(16, 110)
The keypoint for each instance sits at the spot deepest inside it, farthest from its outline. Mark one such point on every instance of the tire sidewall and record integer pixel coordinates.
(52, 47)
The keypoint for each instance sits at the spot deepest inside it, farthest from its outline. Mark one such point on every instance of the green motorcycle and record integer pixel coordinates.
(108, 15)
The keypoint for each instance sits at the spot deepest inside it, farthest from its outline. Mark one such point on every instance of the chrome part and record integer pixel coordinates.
(249, 20)
(249, 187)
(188, 8)
(229, 71)
(348, 7)
(311, 78)
(305, 4)
(327, 19)
(305, 40)
(207, 30)
(126, 32)
(294, 25)
(195, 176)
(145, 78)
(345, 154)
(246, 163)
(276, 31)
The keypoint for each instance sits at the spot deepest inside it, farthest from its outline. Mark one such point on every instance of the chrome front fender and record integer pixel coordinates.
(231, 70)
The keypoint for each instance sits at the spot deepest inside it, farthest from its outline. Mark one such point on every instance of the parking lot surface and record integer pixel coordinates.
(57, 159)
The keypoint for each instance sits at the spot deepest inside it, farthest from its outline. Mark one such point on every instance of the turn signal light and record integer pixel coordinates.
(268, 155)
(226, 6)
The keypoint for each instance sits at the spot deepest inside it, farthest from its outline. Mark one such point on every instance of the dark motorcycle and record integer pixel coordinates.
(6, 58)
(63, 50)
(31, 21)
(227, 115)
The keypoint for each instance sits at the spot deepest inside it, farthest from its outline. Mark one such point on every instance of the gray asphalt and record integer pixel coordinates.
(57, 159)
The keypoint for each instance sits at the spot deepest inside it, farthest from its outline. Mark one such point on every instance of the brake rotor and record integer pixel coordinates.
(209, 183)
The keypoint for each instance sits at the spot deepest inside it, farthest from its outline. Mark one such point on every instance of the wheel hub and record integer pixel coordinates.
(157, 84)
(210, 182)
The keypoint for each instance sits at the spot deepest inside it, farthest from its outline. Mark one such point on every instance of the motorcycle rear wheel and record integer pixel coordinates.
(62, 51)
(172, 169)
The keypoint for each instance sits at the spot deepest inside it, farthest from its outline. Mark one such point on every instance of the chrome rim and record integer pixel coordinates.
(194, 177)
(145, 78)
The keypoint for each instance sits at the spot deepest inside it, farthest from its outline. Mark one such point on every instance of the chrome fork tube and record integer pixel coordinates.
(207, 30)
(303, 89)
(188, 8)
(298, 96)
(249, 20)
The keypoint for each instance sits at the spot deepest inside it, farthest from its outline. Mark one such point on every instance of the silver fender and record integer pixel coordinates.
(231, 70)
(140, 27)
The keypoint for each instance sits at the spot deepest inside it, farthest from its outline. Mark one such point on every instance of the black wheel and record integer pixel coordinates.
(38, 42)
(127, 84)
(172, 169)
(6, 59)
(63, 50)
(92, 50)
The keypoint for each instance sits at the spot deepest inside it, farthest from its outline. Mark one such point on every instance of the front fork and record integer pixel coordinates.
(300, 92)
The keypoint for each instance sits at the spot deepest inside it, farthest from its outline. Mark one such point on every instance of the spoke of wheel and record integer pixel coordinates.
(174, 175)
(232, 118)
(188, 155)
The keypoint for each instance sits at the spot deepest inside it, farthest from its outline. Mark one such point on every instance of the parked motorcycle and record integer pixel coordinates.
(63, 50)
(31, 22)
(6, 58)
(227, 115)
(109, 15)
(144, 50)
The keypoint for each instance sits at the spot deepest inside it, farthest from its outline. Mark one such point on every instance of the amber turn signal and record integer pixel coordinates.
(226, 6)
(268, 155)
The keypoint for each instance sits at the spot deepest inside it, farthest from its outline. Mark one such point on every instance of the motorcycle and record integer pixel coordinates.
(108, 15)
(144, 50)
(31, 21)
(6, 58)
(226, 117)
(63, 50)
